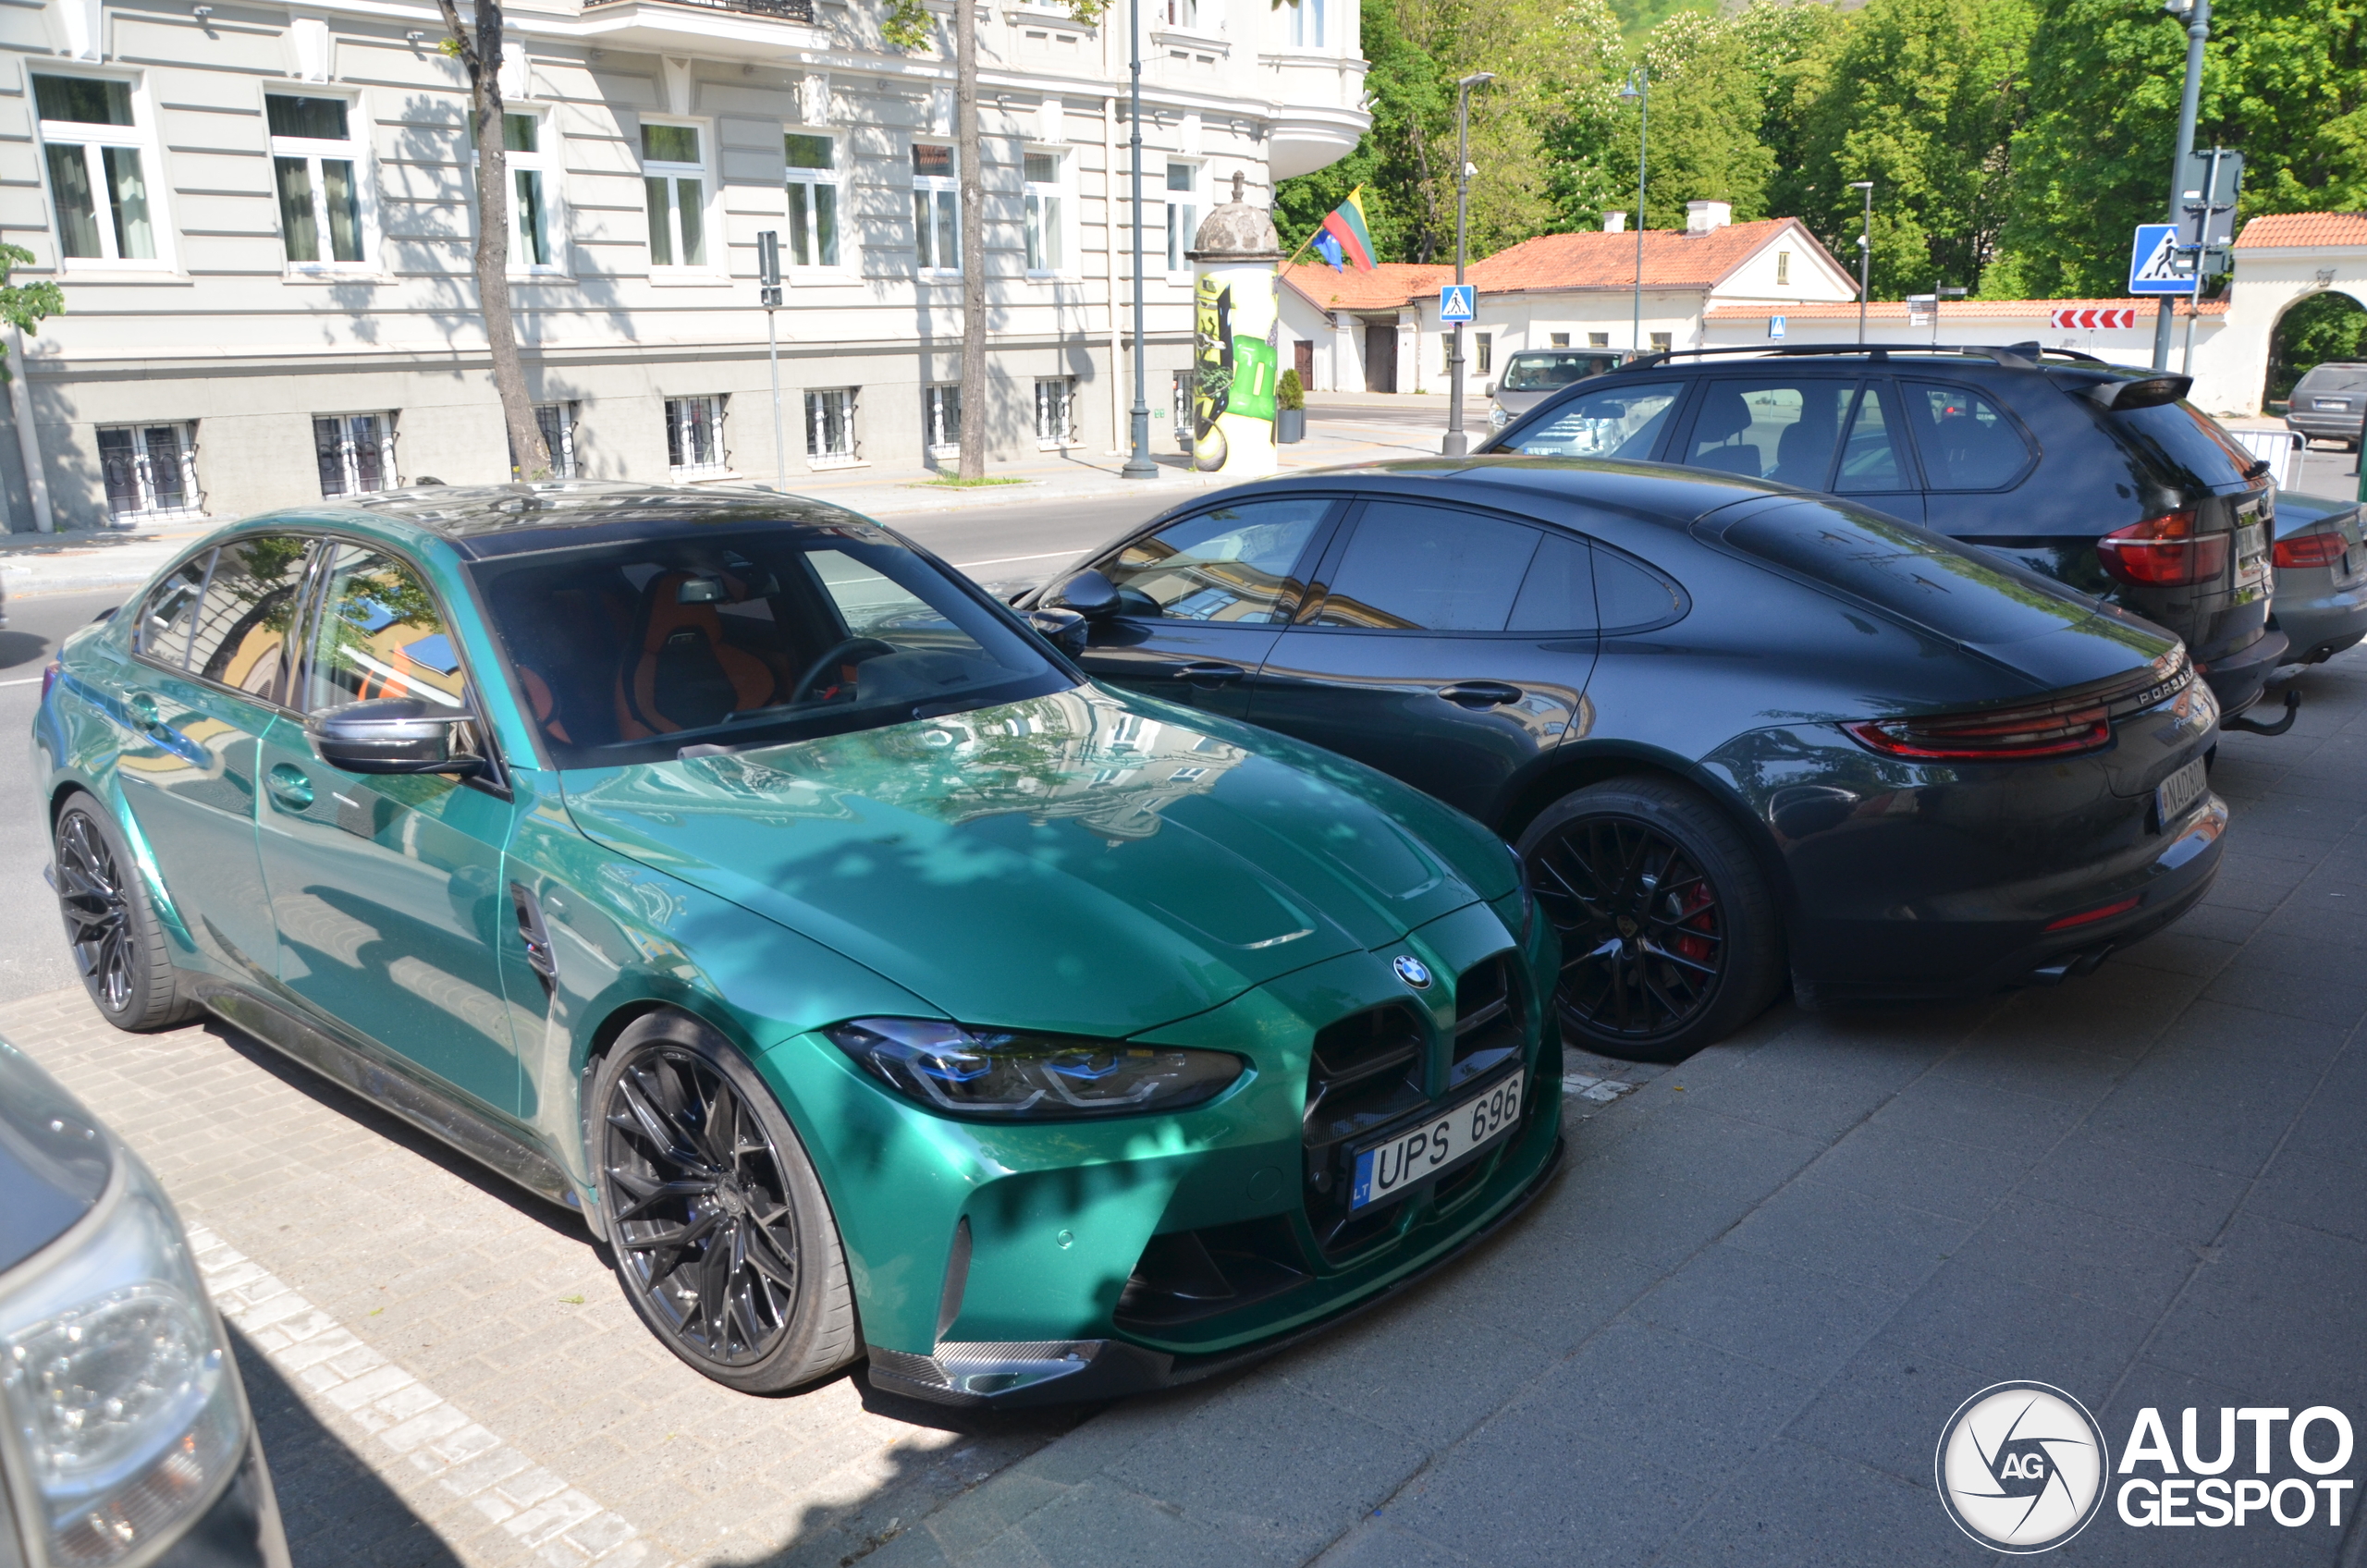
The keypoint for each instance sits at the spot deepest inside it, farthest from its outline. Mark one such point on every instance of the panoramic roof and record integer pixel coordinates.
(495, 519)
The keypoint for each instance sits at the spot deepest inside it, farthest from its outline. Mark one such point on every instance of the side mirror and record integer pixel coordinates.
(1089, 593)
(391, 735)
(1065, 630)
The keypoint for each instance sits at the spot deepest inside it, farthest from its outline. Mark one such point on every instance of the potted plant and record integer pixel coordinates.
(1290, 408)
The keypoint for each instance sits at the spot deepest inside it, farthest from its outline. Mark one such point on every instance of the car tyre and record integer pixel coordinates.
(112, 928)
(1670, 935)
(720, 1232)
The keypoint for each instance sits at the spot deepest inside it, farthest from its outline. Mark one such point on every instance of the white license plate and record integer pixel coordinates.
(2330, 402)
(2251, 555)
(2175, 795)
(1387, 1170)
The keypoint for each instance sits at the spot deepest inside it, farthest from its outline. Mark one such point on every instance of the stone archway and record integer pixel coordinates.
(2280, 260)
(2356, 300)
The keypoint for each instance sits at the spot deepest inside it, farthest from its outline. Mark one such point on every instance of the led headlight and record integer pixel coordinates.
(1027, 1077)
(116, 1385)
(1497, 418)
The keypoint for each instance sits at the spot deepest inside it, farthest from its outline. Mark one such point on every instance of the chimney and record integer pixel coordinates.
(1700, 217)
(1615, 223)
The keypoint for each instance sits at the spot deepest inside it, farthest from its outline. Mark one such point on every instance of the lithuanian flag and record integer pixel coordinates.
(1343, 237)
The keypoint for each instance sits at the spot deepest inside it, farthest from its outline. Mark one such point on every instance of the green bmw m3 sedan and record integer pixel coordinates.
(724, 867)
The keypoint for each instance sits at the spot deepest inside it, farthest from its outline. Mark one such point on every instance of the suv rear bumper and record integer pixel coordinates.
(2325, 427)
(2238, 678)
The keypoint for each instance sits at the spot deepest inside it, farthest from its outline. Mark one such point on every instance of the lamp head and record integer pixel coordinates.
(1861, 185)
(1477, 79)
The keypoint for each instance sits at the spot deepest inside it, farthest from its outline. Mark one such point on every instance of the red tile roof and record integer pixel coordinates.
(2288, 229)
(1978, 310)
(1672, 259)
(1388, 286)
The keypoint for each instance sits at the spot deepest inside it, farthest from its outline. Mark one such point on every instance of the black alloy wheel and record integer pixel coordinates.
(720, 1234)
(119, 944)
(1669, 938)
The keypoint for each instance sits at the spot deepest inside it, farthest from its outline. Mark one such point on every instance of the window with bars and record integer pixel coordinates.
(829, 425)
(1047, 211)
(695, 435)
(813, 199)
(356, 453)
(673, 178)
(149, 470)
(1055, 410)
(937, 207)
(98, 186)
(941, 419)
(317, 168)
(1182, 212)
(557, 422)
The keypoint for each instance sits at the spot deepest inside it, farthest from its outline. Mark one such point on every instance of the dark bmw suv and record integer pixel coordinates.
(2103, 478)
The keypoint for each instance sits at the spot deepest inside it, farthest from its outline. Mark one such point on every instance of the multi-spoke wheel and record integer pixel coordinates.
(1669, 938)
(720, 1232)
(118, 946)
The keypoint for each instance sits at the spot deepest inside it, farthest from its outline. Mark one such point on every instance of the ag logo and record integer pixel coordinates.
(2021, 1468)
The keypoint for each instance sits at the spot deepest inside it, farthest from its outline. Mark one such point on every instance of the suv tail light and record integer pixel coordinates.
(2310, 549)
(2165, 552)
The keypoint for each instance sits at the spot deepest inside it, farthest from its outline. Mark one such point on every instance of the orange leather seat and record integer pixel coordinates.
(679, 672)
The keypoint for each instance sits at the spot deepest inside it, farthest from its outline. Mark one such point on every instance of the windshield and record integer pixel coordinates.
(631, 653)
(1540, 373)
(1624, 419)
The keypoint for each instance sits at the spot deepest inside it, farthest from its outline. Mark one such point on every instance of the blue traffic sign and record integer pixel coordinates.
(2154, 263)
(1456, 301)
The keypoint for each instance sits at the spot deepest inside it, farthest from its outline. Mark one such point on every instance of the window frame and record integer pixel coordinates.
(852, 456)
(1068, 437)
(688, 472)
(547, 168)
(138, 137)
(1299, 10)
(356, 149)
(1343, 535)
(673, 173)
(297, 625)
(568, 413)
(1061, 189)
(835, 177)
(927, 262)
(1913, 446)
(1178, 269)
(186, 458)
(931, 418)
(1298, 583)
(390, 473)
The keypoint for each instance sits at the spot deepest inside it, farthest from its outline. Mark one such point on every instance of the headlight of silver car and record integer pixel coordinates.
(1497, 418)
(1027, 1077)
(115, 1382)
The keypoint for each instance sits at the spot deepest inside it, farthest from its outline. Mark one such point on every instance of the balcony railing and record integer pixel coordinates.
(785, 10)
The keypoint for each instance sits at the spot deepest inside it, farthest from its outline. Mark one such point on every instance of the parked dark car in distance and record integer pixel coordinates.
(2099, 478)
(1732, 730)
(127, 1438)
(2328, 402)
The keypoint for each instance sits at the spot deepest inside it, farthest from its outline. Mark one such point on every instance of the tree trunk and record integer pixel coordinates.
(481, 55)
(969, 154)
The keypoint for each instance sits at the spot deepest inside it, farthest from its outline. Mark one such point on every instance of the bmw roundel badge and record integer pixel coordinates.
(1413, 972)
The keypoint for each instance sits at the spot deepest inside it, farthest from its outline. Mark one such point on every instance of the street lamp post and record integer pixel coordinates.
(2198, 31)
(1865, 253)
(1138, 460)
(1639, 91)
(1454, 445)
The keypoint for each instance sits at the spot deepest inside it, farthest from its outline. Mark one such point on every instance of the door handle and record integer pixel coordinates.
(1477, 694)
(143, 708)
(289, 786)
(1211, 672)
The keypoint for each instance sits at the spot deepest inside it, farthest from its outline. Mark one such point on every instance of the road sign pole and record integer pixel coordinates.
(769, 290)
(1455, 445)
(2198, 31)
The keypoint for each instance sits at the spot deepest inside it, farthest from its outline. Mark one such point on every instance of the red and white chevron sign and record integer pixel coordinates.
(2092, 318)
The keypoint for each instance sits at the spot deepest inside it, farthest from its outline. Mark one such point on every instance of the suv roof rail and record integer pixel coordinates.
(2018, 356)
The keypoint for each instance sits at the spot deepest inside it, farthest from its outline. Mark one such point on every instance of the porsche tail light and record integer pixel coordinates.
(2165, 552)
(2047, 729)
(2310, 549)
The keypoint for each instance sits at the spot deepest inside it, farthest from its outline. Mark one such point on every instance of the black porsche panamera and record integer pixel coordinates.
(1734, 731)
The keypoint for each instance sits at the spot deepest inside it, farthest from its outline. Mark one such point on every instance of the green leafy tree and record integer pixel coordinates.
(25, 306)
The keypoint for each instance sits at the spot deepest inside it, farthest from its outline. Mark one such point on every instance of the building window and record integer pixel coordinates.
(1179, 13)
(941, 421)
(151, 469)
(937, 207)
(557, 422)
(1558, 340)
(695, 435)
(1783, 268)
(1182, 212)
(673, 181)
(813, 199)
(96, 180)
(1046, 212)
(1594, 341)
(1486, 341)
(1660, 343)
(530, 213)
(829, 426)
(1307, 24)
(356, 453)
(318, 166)
(1055, 410)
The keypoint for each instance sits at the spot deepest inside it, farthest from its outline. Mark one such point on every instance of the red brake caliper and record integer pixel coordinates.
(1697, 917)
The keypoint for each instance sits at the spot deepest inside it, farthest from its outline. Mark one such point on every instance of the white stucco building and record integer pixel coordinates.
(262, 215)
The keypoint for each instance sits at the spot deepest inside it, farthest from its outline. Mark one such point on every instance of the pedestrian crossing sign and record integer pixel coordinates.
(1456, 302)
(2154, 265)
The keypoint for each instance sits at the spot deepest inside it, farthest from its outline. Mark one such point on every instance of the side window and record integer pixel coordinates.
(1618, 422)
(1558, 593)
(1870, 458)
(1766, 429)
(1414, 568)
(378, 634)
(1629, 597)
(1967, 443)
(250, 605)
(1232, 564)
(170, 612)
